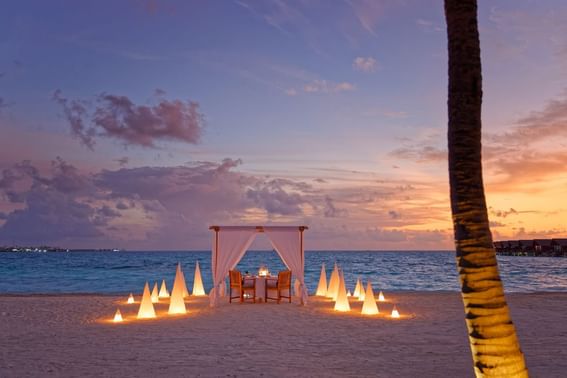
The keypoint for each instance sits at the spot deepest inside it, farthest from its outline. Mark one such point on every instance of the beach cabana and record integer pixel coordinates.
(231, 242)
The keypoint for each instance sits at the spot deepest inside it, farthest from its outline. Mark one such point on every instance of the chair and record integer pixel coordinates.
(242, 285)
(281, 284)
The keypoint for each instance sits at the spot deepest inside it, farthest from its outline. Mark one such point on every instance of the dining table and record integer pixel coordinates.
(260, 285)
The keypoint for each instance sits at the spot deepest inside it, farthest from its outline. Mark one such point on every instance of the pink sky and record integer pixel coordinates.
(139, 128)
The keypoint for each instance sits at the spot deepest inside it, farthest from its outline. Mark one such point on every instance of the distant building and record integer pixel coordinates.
(536, 247)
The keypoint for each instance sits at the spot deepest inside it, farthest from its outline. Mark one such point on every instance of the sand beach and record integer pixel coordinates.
(71, 336)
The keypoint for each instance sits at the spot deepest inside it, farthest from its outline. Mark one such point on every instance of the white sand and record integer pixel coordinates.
(70, 336)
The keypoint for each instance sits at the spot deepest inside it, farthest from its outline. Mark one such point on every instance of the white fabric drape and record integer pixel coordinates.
(288, 244)
(232, 244)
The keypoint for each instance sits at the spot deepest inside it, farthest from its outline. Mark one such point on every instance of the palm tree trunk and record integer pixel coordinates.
(494, 344)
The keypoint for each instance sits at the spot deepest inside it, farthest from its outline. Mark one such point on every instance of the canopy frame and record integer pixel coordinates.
(219, 282)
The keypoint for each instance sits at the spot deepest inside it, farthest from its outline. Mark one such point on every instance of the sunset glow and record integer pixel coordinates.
(137, 128)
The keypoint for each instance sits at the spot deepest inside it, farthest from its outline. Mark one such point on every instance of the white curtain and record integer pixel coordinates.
(287, 242)
(232, 244)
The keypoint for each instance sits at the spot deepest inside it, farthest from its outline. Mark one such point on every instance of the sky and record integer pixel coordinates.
(137, 124)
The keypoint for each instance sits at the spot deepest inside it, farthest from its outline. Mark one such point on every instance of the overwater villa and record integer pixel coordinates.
(535, 247)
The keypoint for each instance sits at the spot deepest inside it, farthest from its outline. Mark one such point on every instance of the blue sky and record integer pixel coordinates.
(346, 100)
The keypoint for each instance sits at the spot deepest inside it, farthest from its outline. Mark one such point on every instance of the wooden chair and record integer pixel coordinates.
(242, 285)
(281, 285)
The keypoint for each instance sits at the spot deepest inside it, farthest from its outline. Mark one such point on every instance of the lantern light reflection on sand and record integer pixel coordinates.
(322, 287)
(342, 301)
(163, 293)
(381, 297)
(146, 310)
(117, 316)
(130, 299)
(395, 313)
(155, 294)
(333, 289)
(176, 303)
(369, 307)
(198, 289)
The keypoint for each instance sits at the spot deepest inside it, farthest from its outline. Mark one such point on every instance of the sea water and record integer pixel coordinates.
(123, 272)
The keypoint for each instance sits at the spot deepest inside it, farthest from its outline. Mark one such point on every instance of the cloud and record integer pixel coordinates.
(324, 86)
(276, 15)
(368, 13)
(117, 117)
(428, 26)
(331, 211)
(54, 210)
(502, 213)
(496, 224)
(291, 92)
(122, 161)
(394, 214)
(526, 170)
(363, 64)
(171, 207)
(421, 154)
(551, 122)
(67, 206)
(75, 111)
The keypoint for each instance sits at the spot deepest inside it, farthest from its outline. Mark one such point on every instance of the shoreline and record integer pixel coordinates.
(72, 335)
(126, 293)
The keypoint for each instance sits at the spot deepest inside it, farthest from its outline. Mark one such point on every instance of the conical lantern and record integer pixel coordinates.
(322, 287)
(369, 307)
(342, 301)
(155, 294)
(146, 306)
(184, 287)
(395, 313)
(357, 288)
(176, 302)
(117, 316)
(198, 289)
(333, 289)
(130, 299)
(163, 293)
(381, 297)
(361, 293)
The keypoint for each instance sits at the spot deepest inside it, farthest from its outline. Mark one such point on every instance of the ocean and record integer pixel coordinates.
(124, 272)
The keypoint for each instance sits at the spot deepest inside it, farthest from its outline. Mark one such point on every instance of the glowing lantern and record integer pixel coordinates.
(369, 307)
(361, 293)
(184, 287)
(176, 303)
(163, 293)
(130, 299)
(357, 287)
(155, 295)
(395, 313)
(198, 288)
(381, 297)
(342, 301)
(146, 306)
(348, 294)
(322, 287)
(263, 271)
(333, 289)
(117, 316)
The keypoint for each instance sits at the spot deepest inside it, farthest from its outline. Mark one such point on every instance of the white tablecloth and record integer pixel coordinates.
(260, 287)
